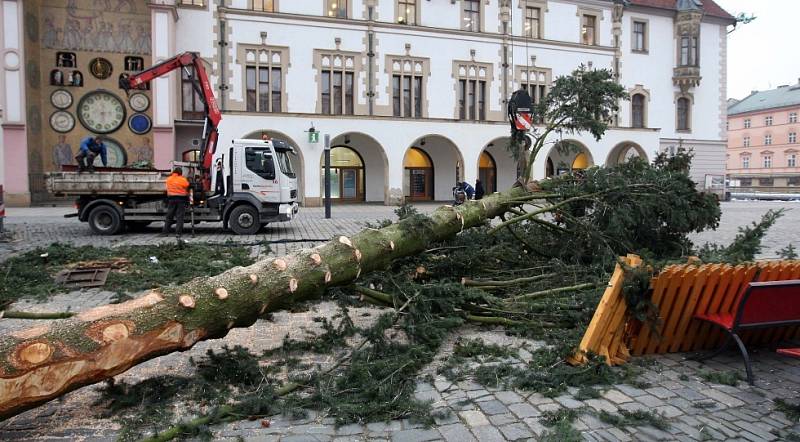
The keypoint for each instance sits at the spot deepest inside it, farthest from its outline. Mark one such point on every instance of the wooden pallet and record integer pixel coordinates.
(680, 292)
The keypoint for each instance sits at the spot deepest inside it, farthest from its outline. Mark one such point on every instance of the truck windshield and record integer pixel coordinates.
(284, 163)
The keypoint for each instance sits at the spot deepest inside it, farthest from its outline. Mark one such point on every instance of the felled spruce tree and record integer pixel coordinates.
(42, 363)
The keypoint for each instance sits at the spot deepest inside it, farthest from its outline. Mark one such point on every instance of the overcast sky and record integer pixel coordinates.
(764, 53)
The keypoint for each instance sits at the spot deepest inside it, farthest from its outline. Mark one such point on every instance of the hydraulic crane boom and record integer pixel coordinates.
(201, 86)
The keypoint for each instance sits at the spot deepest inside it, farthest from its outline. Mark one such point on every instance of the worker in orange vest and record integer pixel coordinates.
(179, 194)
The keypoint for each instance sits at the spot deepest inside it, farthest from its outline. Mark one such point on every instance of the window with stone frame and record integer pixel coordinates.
(767, 161)
(684, 114)
(471, 15)
(793, 117)
(745, 182)
(264, 79)
(791, 160)
(336, 8)
(793, 181)
(746, 142)
(747, 123)
(408, 87)
(337, 83)
(191, 2)
(535, 80)
(745, 161)
(533, 21)
(472, 90)
(191, 102)
(265, 5)
(688, 50)
(766, 182)
(589, 29)
(792, 137)
(637, 111)
(767, 140)
(768, 121)
(639, 36)
(407, 12)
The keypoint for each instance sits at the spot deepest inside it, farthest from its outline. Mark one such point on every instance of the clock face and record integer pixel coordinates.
(139, 124)
(62, 121)
(100, 68)
(115, 154)
(61, 99)
(101, 112)
(139, 102)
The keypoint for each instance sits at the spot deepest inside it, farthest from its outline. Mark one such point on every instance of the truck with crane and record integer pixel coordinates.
(252, 180)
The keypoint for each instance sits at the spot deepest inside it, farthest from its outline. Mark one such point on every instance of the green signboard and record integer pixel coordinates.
(313, 137)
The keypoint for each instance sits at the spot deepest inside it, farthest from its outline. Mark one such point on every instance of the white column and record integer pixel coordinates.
(164, 88)
(14, 145)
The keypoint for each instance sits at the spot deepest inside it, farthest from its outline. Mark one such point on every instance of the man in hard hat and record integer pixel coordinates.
(179, 194)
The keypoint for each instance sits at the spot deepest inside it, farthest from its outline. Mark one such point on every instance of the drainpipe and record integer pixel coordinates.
(370, 60)
(221, 61)
(505, 16)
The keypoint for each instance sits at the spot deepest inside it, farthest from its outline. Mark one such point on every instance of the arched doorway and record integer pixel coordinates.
(447, 165)
(487, 172)
(568, 156)
(347, 175)
(624, 152)
(363, 166)
(418, 175)
(296, 159)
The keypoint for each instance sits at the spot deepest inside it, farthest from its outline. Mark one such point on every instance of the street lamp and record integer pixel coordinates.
(327, 147)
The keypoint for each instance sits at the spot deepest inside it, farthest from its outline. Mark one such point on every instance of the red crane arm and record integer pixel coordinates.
(202, 87)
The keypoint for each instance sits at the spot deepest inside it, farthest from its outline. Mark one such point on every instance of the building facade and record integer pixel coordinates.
(763, 149)
(411, 92)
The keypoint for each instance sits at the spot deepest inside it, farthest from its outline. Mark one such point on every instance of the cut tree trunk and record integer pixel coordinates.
(45, 362)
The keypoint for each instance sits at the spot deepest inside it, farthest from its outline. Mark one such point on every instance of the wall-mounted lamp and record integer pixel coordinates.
(422, 142)
(347, 139)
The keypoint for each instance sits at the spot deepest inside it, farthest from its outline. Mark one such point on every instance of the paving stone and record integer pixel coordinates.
(537, 427)
(456, 433)
(755, 429)
(475, 394)
(524, 410)
(617, 397)
(429, 395)
(470, 386)
(488, 434)
(650, 401)
(415, 435)
(444, 416)
(669, 411)
(601, 404)
(349, 430)
(515, 431)
(380, 427)
(634, 406)
(619, 434)
(629, 390)
(568, 402)
(503, 419)
(306, 438)
(690, 394)
(314, 429)
(724, 398)
(552, 406)
(493, 407)
(474, 418)
(409, 424)
(264, 438)
(508, 397)
(654, 433)
(660, 392)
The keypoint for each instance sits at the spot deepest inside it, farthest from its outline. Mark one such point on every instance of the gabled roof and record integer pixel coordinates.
(775, 98)
(709, 7)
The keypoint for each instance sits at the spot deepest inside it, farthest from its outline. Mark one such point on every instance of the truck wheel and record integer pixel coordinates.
(244, 220)
(105, 220)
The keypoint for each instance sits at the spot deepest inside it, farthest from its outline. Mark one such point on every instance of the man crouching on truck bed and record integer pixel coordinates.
(179, 194)
(90, 148)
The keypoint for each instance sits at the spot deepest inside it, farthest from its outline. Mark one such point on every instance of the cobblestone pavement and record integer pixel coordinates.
(695, 408)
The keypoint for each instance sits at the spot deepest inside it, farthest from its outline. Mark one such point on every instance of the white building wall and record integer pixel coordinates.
(390, 138)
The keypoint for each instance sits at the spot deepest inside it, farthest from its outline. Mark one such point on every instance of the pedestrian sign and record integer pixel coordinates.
(313, 137)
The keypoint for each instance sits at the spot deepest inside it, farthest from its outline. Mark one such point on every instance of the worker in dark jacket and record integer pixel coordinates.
(479, 192)
(179, 194)
(90, 148)
(469, 190)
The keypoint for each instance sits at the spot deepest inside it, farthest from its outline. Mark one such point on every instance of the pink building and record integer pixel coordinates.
(763, 146)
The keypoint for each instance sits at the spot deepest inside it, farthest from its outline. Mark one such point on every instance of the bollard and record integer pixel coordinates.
(2, 209)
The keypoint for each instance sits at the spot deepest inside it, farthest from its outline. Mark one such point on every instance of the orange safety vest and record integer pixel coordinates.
(177, 185)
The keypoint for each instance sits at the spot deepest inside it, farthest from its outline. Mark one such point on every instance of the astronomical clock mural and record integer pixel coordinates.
(82, 48)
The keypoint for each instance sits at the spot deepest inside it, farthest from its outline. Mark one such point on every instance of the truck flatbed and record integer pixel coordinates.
(108, 182)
